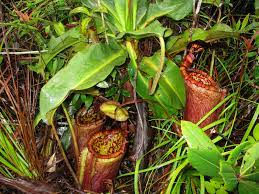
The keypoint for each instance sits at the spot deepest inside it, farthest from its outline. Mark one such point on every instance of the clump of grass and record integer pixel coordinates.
(12, 154)
(19, 154)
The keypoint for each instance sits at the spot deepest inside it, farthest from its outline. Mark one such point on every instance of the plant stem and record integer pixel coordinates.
(53, 128)
(72, 132)
(160, 69)
(212, 62)
(23, 52)
(133, 57)
(136, 180)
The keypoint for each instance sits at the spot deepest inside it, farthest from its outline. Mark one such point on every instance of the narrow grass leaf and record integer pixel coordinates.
(251, 124)
(136, 175)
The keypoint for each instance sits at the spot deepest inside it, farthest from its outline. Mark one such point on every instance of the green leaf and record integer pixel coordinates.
(253, 176)
(248, 187)
(256, 132)
(217, 182)
(84, 70)
(178, 43)
(213, 2)
(205, 161)
(221, 191)
(176, 9)
(55, 46)
(229, 176)
(250, 139)
(1, 59)
(210, 188)
(66, 139)
(141, 11)
(84, 25)
(237, 26)
(113, 16)
(196, 138)
(171, 78)
(83, 10)
(87, 100)
(245, 21)
(59, 28)
(249, 159)
(257, 8)
(182, 11)
(203, 154)
(164, 102)
(122, 12)
(153, 29)
(235, 153)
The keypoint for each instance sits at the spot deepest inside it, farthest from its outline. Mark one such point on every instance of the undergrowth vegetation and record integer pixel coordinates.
(93, 97)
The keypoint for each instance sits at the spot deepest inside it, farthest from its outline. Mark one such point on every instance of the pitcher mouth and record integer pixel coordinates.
(107, 144)
(201, 79)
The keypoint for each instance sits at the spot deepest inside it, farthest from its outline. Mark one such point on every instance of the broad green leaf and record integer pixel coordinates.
(176, 9)
(253, 176)
(141, 11)
(235, 153)
(182, 11)
(170, 94)
(171, 78)
(217, 182)
(91, 4)
(250, 139)
(210, 188)
(249, 159)
(206, 161)
(153, 29)
(84, 70)
(160, 102)
(203, 154)
(55, 46)
(221, 191)
(196, 138)
(83, 10)
(229, 176)
(122, 11)
(113, 16)
(214, 2)
(221, 28)
(178, 43)
(248, 187)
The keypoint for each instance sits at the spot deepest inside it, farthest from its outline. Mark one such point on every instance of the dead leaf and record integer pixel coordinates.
(51, 164)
